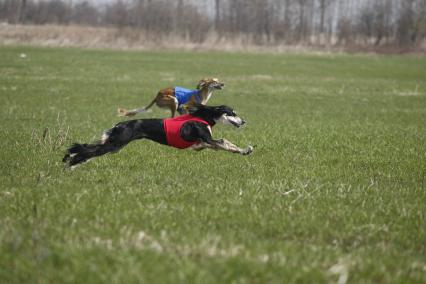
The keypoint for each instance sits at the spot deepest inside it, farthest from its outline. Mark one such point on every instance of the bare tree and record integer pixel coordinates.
(344, 31)
(405, 23)
(136, 17)
(21, 11)
(287, 20)
(366, 22)
(420, 21)
(117, 14)
(85, 13)
(381, 28)
(302, 26)
(217, 15)
(323, 5)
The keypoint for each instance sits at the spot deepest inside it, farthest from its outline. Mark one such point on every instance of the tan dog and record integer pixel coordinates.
(180, 99)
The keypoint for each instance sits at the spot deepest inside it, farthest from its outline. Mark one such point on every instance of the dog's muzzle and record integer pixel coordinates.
(220, 87)
(238, 124)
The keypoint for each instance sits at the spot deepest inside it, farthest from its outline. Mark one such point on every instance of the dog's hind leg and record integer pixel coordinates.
(112, 141)
(116, 138)
(132, 112)
(80, 153)
(168, 102)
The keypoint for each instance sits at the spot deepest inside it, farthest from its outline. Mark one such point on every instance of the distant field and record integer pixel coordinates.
(334, 191)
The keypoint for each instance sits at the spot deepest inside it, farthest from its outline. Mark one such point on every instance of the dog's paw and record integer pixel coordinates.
(248, 150)
(121, 111)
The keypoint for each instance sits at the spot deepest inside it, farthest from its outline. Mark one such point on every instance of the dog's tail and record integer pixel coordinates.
(80, 153)
(132, 112)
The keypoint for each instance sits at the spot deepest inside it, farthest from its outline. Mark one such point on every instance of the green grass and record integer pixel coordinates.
(335, 187)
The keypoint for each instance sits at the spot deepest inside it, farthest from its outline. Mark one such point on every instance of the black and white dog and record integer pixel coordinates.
(192, 130)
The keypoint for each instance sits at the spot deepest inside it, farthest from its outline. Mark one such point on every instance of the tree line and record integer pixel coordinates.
(262, 22)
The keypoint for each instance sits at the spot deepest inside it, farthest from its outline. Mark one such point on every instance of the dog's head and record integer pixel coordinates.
(211, 84)
(218, 114)
(228, 116)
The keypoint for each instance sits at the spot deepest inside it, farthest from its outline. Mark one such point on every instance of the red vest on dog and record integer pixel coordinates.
(172, 127)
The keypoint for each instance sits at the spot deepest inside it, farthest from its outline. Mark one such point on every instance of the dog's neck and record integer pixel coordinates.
(206, 116)
(205, 94)
(210, 120)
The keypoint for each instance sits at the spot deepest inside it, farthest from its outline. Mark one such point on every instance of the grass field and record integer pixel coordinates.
(334, 191)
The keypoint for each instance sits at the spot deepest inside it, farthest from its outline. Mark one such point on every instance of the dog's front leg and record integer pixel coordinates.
(223, 144)
(199, 146)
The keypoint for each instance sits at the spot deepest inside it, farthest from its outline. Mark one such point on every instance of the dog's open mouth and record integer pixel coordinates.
(219, 87)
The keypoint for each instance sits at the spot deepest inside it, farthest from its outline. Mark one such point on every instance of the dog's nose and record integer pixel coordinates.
(243, 122)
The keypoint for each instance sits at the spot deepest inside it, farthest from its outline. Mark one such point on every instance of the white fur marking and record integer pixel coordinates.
(230, 120)
(104, 138)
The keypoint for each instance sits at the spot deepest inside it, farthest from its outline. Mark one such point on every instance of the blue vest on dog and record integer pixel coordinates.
(183, 95)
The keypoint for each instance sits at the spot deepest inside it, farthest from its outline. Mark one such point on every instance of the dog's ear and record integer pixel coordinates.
(226, 109)
(222, 108)
(202, 83)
